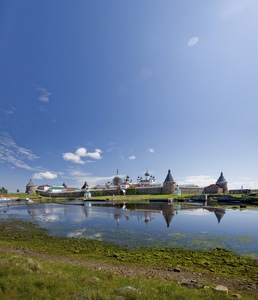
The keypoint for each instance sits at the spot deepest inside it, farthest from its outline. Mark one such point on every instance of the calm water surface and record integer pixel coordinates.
(153, 225)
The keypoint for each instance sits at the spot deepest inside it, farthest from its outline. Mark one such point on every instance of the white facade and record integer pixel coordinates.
(124, 185)
(177, 191)
(149, 180)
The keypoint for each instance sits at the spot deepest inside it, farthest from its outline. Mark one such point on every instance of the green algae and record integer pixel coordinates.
(217, 260)
(246, 239)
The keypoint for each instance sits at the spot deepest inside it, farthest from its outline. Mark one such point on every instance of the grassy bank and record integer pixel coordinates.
(219, 261)
(26, 278)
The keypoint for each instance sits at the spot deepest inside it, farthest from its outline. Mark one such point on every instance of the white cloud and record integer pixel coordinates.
(200, 180)
(82, 152)
(195, 212)
(44, 95)
(245, 184)
(132, 157)
(205, 180)
(47, 175)
(80, 177)
(151, 150)
(14, 154)
(96, 154)
(73, 158)
(193, 41)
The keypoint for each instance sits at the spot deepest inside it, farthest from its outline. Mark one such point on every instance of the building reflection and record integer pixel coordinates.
(219, 212)
(128, 211)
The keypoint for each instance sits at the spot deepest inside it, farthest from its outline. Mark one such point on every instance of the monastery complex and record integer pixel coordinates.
(144, 186)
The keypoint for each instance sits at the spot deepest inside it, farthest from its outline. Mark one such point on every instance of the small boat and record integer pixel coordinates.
(5, 198)
(29, 200)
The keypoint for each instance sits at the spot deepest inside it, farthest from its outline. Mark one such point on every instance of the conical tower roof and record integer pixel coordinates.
(169, 177)
(30, 184)
(219, 214)
(168, 213)
(221, 178)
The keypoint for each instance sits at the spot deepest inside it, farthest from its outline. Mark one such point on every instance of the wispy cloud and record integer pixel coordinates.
(9, 111)
(132, 157)
(193, 41)
(205, 180)
(243, 183)
(12, 153)
(44, 95)
(115, 149)
(234, 8)
(200, 180)
(80, 177)
(44, 175)
(82, 152)
(151, 150)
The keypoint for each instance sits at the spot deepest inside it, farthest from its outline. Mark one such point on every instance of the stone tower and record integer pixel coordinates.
(222, 183)
(169, 184)
(30, 187)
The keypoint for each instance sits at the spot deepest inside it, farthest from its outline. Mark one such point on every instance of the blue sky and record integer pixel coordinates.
(91, 86)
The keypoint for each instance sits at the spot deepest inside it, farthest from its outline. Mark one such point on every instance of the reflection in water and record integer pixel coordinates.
(141, 224)
(219, 212)
(145, 212)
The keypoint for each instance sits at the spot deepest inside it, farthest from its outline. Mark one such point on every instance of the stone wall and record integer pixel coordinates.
(107, 192)
(74, 194)
(149, 190)
(110, 192)
(191, 190)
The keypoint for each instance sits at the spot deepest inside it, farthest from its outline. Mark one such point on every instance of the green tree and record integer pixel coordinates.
(131, 190)
(97, 193)
(18, 191)
(3, 190)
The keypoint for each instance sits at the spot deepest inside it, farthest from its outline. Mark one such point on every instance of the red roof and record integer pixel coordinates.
(215, 186)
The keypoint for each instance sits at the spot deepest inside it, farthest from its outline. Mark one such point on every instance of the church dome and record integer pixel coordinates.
(117, 180)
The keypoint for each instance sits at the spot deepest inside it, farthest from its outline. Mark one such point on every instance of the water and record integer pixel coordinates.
(153, 225)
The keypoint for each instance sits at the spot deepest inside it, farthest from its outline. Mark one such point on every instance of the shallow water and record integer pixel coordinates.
(141, 224)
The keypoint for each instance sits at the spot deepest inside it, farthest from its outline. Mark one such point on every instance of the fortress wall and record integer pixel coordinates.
(107, 192)
(191, 190)
(60, 194)
(149, 190)
(152, 191)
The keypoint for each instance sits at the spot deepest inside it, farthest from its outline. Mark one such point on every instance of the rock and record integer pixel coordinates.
(251, 286)
(192, 285)
(221, 288)
(206, 287)
(177, 270)
(236, 296)
(126, 288)
(95, 278)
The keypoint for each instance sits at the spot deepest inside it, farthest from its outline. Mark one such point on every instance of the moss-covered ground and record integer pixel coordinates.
(219, 260)
(26, 278)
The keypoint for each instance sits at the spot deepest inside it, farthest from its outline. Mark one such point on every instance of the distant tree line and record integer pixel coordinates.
(3, 190)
